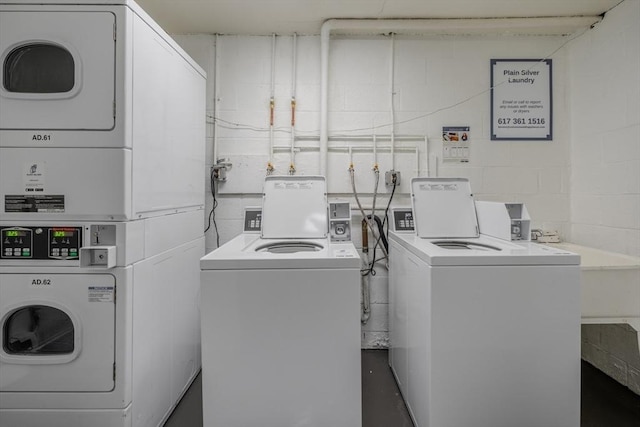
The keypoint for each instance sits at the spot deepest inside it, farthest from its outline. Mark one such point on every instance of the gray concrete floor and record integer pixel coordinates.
(605, 403)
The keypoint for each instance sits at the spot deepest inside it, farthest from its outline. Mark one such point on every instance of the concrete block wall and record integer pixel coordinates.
(604, 95)
(431, 73)
(614, 350)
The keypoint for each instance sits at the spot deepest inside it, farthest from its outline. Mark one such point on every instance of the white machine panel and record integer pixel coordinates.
(55, 183)
(340, 221)
(49, 183)
(72, 330)
(443, 207)
(507, 221)
(294, 207)
(80, 94)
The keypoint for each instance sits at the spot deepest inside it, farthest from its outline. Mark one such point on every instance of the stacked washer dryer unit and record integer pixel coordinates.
(484, 332)
(101, 191)
(281, 317)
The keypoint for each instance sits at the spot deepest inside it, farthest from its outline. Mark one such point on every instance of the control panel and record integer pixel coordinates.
(52, 243)
(507, 221)
(340, 221)
(252, 220)
(403, 219)
(520, 222)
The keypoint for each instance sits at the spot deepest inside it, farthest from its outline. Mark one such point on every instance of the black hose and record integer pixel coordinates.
(381, 232)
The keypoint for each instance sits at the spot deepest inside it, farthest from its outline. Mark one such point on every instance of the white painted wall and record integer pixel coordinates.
(431, 74)
(604, 96)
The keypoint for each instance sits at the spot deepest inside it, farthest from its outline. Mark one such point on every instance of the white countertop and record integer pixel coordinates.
(597, 259)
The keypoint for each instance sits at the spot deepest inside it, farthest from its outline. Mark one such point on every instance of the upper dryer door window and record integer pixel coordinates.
(39, 68)
(58, 70)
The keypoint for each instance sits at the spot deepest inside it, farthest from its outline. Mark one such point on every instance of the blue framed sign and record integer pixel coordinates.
(521, 99)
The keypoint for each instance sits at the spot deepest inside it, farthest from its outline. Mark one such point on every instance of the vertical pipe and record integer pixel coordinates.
(325, 34)
(393, 109)
(375, 150)
(216, 97)
(272, 97)
(426, 151)
(294, 55)
(294, 65)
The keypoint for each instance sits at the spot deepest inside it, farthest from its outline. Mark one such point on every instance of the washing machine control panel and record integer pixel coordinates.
(403, 219)
(38, 243)
(252, 219)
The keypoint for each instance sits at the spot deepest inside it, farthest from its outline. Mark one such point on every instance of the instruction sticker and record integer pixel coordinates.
(438, 187)
(293, 185)
(455, 144)
(101, 293)
(35, 203)
(33, 177)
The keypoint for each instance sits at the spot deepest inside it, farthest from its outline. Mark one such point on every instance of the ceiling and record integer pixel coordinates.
(263, 17)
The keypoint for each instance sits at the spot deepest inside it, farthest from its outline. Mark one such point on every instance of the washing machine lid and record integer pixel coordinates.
(443, 208)
(294, 207)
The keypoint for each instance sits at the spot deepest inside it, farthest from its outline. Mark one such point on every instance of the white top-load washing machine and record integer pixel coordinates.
(484, 332)
(280, 318)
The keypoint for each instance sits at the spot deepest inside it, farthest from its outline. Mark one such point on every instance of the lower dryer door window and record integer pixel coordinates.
(38, 330)
(57, 332)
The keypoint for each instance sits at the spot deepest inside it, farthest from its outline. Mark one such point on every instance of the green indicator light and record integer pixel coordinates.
(11, 233)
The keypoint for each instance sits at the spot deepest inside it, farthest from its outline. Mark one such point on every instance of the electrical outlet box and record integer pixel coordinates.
(220, 169)
(391, 178)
